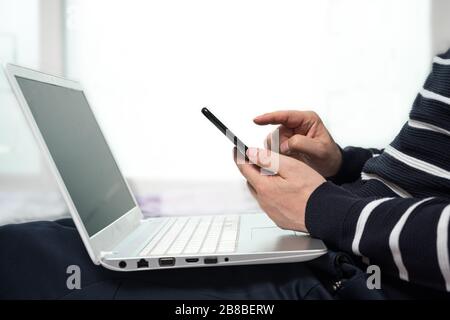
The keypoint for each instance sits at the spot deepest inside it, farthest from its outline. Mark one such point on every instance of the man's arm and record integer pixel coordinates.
(353, 160)
(407, 238)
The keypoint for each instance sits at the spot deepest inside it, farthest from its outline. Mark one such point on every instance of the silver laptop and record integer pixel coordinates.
(105, 211)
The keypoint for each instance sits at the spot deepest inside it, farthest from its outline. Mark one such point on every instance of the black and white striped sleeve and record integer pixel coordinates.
(407, 238)
(353, 160)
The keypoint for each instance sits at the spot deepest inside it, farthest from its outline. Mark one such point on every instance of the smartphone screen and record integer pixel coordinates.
(241, 147)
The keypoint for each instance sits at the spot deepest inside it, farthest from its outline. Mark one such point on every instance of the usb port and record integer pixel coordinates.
(166, 262)
(210, 260)
(192, 260)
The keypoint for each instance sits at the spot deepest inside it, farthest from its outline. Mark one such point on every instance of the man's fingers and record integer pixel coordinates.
(299, 143)
(276, 137)
(272, 161)
(249, 171)
(268, 141)
(290, 119)
(261, 157)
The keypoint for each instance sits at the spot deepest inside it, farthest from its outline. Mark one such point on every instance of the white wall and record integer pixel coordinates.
(31, 34)
(52, 35)
(19, 43)
(440, 22)
(149, 66)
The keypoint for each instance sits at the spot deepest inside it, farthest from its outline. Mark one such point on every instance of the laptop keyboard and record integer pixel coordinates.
(192, 235)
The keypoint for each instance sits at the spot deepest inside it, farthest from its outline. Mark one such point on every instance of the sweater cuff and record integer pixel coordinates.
(326, 212)
(353, 160)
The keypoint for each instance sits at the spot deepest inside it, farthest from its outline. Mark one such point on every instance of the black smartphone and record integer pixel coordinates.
(241, 147)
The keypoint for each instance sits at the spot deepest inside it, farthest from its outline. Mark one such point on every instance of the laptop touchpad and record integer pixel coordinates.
(276, 239)
(269, 233)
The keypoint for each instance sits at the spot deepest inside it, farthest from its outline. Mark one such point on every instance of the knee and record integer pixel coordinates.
(35, 256)
(34, 242)
(16, 238)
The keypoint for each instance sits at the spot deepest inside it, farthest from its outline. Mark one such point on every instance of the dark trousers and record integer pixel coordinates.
(35, 256)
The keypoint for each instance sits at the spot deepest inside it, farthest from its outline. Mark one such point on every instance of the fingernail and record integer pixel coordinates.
(252, 152)
(284, 147)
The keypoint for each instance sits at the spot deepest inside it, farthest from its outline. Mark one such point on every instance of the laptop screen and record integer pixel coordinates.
(80, 152)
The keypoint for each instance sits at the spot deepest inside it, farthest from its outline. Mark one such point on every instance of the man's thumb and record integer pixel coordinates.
(298, 143)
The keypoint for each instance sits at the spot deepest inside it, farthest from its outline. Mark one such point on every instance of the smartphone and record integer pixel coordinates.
(241, 147)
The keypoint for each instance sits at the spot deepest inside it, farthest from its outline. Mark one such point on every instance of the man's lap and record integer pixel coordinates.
(35, 256)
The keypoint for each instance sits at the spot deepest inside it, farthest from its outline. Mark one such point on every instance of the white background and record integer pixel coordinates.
(19, 43)
(149, 67)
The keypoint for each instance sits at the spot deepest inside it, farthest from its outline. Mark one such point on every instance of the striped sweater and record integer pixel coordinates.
(392, 207)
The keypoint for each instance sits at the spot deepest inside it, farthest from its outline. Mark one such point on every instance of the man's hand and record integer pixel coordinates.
(283, 196)
(304, 137)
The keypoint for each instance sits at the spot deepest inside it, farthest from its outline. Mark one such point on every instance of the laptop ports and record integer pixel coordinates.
(142, 263)
(210, 260)
(166, 262)
(191, 260)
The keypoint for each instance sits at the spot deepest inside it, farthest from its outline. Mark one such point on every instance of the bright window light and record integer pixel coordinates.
(150, 66)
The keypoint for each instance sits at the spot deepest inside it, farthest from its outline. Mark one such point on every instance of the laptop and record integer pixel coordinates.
(105, 212)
